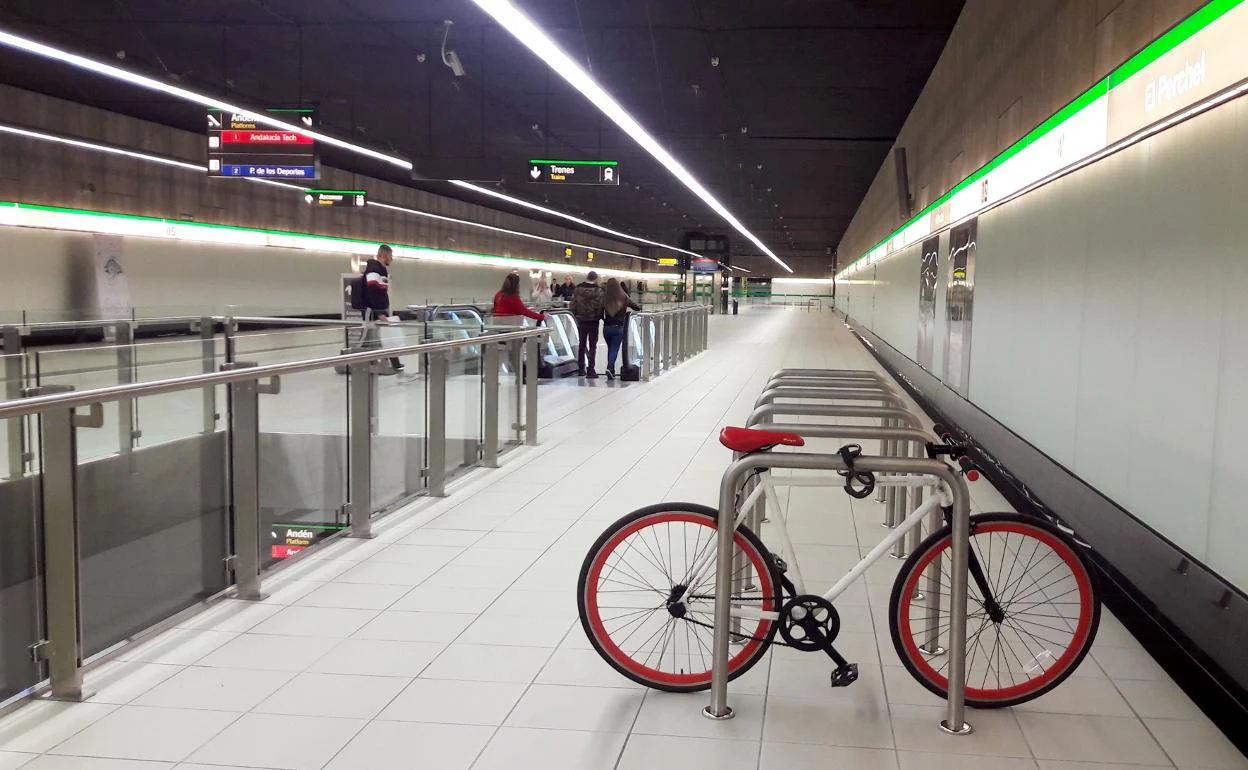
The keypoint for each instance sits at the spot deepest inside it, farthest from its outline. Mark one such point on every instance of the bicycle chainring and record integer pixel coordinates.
(809, 623)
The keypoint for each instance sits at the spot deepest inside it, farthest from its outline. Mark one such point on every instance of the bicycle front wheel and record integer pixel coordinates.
(647, 593)
(1024, 635)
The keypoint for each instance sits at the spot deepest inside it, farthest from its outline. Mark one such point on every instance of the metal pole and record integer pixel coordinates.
(530, 391)
(955, 721)
(514, 353)
(61, 554)
(489, 403)
(360, 449)
(245, 484)
(14, 382)
(437, 423)
(208, 347)
(655, 341)
(127, 432)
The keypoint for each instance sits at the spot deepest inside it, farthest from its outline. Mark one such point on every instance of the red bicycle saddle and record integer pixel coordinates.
(748, 440)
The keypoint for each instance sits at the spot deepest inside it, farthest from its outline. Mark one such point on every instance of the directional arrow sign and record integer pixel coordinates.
(584, 172)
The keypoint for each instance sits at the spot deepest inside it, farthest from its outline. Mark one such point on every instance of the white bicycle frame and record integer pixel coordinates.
(941, 496)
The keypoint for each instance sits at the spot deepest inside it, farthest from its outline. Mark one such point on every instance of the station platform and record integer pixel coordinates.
(451, 640)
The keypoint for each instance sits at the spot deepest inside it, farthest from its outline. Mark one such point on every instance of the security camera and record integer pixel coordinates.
(420, 57)
(452, 61)
(714, 61)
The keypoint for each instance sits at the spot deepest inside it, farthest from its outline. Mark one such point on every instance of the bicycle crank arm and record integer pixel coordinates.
(753, 613)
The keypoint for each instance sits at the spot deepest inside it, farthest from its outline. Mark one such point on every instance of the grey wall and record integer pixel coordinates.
(1008, 66)
(38, 266)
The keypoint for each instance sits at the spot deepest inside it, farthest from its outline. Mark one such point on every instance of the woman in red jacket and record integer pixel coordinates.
(508, 305)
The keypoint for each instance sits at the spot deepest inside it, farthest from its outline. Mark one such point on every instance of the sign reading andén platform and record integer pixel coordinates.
(240, 145)
(593, 172)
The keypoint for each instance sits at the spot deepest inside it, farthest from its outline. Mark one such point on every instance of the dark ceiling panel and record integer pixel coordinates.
(820, 89)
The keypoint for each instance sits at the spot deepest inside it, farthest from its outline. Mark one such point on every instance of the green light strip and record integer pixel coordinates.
(1179, 34)
(577, 162)
(339, 192)
(304, 110)
(334, 527)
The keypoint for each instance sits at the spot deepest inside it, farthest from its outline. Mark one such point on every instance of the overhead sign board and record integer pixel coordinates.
(589, 172)
(705, 264)
(669, 261)
(334, 198)
(239, 145)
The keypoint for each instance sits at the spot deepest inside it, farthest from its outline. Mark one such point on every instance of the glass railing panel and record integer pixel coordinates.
(172, 416)
(303, 450)
(400, 421)
(82, 369)
(294, 344)
(153, 536)
(463, 410)
(21, 579)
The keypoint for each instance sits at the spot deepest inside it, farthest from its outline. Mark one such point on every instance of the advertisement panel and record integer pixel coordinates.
(928, 277)
(959, 306)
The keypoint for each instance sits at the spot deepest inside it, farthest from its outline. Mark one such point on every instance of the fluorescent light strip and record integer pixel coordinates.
(825, 281)
(537, 41)
(142, 81)
(506, 231)
(569, 217)
(92, 146)
(80, 220)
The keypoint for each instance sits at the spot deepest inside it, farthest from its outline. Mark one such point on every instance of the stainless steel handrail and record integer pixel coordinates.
(35, 404)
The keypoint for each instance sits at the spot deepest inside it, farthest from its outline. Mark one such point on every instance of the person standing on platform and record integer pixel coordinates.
(615, 306)
(566, 289)
(541, 291)
(377, 299)
(587, 310)
(508, 307)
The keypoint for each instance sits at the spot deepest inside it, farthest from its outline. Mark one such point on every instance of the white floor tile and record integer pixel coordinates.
(488, 663)
(560, 707)
(1054, 764)
(279, 742)
(1095, 697)
(358, 596)
(10, 760)
(232, 615)
(50, 762)
(802, 756)
(1128, 663)
(333, 695)
(332, 622)
(996, 732)
(215, 689)
(418, 555)
(834, 723)
(914, 760)
(521, 748)
(1191, 743)
(368, 657)
(1090, 739)
(179, 647)
(41, 725)
(121, 682)
(462, 538)
(388, 573)
(581, 668)
(646, 752)
(1158, 699)
(408, 745)
(139, 732)
(415, 626)
(665, 713)
(524, 630)
(454, 702)
(271, 653)
(427, 598)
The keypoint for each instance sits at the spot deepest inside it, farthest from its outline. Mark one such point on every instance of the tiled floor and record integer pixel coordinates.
(451, 640)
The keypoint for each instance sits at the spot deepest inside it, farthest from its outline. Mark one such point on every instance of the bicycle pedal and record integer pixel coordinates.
(845, 675)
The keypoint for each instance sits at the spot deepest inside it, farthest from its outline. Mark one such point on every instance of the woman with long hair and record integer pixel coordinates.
(508, 306)
(615, 306)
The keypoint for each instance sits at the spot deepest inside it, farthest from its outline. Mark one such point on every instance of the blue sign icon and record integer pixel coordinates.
(270, 172)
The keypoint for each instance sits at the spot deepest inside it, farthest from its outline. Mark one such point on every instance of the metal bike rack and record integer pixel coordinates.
(890, 417)
(830, 394)
(718, 707)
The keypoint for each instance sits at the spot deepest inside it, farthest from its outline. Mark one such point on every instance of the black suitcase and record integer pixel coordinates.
(628, 372)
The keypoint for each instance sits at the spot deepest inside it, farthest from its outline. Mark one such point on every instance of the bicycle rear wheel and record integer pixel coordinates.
(646, 596)
(1022, 640)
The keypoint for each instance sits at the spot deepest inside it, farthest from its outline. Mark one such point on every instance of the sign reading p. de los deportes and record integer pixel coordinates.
(595, 172)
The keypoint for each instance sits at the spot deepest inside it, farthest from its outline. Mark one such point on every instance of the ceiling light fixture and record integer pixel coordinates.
(133, 78)
(537, 41)
(562, 215)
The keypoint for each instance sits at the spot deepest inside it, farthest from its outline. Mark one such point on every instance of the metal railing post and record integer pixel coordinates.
(515, 355)
(489, 404)
(229, 330)
(955, 721)
(14, 383)
(360, 449)
(655, 341)
(61, 552)
(437, 423)
(208, 351)
(127, 429)
(244, 411)
(530, 391)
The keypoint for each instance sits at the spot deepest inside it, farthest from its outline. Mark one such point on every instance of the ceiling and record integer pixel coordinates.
(784, 109)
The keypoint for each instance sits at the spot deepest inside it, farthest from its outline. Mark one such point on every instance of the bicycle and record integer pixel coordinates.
(647, 587)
